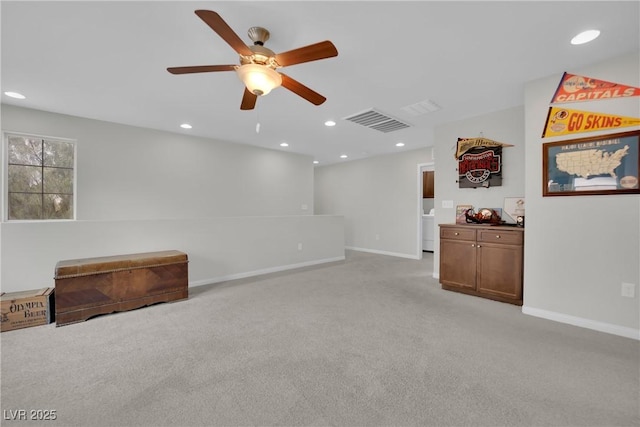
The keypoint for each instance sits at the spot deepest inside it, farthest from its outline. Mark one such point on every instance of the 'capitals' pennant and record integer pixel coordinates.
(574, 88)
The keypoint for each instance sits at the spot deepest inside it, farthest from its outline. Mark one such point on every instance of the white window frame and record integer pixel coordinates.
(5, 175)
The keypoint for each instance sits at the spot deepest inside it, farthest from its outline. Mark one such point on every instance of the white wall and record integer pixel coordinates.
(579, 249)
(378, 196)
(236, 210)
(125, 172)
(505, 126)
(218, 248)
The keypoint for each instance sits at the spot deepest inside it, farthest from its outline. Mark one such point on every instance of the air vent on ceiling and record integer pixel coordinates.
(378, 121)
(422, 107)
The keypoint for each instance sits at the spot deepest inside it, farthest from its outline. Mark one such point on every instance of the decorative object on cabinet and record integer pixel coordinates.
(599, 165)
(484, 216)
(482, 260)
(514, 208)
(479, 162)
(461, 211)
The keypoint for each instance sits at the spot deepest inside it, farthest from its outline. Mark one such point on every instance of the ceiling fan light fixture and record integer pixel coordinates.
(259, 79)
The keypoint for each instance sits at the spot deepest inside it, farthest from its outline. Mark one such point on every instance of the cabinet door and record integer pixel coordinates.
(458, 263)
(500, 270)
(427, 185)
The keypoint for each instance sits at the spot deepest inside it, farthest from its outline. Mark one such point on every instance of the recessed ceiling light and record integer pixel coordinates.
(329, 123)
(344, 156)
(284, 144)
(315, 162)
(400, 144)
(15, 95)
(585, 37)
(186, 126)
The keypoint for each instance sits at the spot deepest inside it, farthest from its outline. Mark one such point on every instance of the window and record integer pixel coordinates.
(40, 178)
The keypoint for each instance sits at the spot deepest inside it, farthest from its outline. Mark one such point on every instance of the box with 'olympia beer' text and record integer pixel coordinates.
(25, 309)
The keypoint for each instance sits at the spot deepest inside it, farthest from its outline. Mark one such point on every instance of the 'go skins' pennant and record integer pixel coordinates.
(573, 88)
(562, 121)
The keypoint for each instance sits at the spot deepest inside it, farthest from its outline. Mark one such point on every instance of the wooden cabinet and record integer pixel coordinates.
(427, 185)
(480, 260)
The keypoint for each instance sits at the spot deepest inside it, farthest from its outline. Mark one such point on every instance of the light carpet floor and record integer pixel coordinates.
(371, 341)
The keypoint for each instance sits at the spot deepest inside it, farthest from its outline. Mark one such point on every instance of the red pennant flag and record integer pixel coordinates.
(573, 88)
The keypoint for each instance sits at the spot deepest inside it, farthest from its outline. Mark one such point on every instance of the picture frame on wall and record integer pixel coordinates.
(606, 164)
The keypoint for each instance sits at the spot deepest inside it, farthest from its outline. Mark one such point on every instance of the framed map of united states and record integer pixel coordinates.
(605, 164)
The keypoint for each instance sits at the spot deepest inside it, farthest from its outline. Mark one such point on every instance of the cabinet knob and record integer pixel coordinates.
(497, 236)
(473, 245)
(456, 234)
(478, 246)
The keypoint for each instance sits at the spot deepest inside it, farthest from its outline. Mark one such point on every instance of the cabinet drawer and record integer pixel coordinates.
(457, 233)
(507, 237)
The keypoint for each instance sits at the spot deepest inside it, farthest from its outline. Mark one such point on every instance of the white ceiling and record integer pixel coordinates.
(108, 60)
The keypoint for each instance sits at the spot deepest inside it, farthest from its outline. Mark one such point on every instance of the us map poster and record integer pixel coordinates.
(604, 164)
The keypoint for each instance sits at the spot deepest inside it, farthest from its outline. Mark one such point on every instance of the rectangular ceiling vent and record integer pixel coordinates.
(378, 121)
(422, 107)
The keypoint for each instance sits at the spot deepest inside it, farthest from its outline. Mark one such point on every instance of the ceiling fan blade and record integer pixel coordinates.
(248, 100)
(301, 90)
(313, 52)
(201, 69)
(217, 24)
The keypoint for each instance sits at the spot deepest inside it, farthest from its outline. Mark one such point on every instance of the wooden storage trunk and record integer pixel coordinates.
(92, 286)
(26, 308)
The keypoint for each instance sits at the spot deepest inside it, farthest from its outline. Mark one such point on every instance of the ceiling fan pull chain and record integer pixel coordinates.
(257, 120)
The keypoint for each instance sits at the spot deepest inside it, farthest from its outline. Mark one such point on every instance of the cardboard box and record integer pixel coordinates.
(25, 309)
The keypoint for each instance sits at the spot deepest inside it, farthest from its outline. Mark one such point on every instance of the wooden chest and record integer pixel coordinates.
(92, 286)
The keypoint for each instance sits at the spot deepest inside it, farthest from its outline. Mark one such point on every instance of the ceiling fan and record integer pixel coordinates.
(258, 64)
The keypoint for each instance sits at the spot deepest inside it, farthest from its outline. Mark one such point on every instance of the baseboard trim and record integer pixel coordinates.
(583, 323)
(263, 271)
(375, 251)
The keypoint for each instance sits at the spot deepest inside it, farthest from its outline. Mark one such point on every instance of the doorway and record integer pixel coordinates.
(426, 209)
